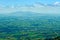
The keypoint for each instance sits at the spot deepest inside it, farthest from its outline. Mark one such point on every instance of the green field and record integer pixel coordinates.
(29, 27)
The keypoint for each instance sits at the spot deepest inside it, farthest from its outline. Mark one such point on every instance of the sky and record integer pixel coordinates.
(38, 6)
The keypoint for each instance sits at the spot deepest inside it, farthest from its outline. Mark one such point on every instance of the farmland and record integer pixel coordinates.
(29, 26)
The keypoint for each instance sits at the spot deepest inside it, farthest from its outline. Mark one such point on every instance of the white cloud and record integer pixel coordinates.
(38, 8)
(57, 3)
(38, 5)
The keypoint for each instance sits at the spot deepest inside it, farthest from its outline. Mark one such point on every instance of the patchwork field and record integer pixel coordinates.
(29, 26)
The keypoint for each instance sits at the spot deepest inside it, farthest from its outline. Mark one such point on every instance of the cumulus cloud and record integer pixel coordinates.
(57, 3)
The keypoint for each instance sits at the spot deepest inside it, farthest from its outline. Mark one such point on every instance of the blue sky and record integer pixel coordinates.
(10, 2)
(7, 6)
